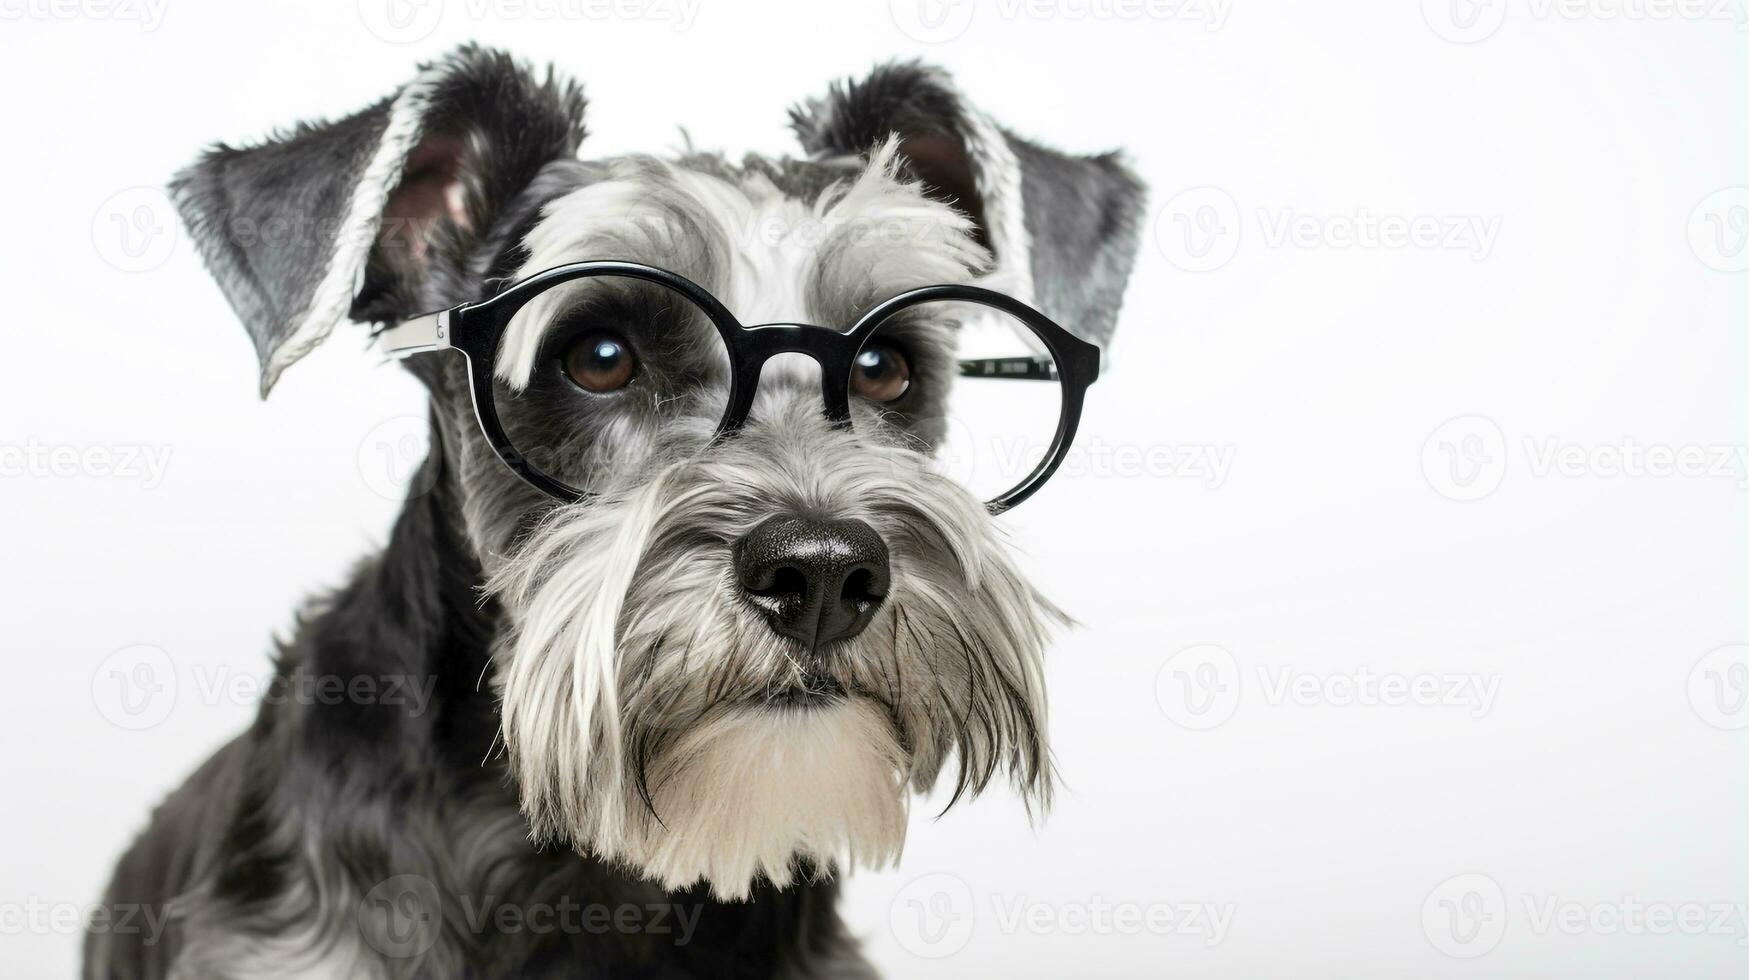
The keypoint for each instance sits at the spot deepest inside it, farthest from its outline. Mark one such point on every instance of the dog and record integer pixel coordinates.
(675, 678)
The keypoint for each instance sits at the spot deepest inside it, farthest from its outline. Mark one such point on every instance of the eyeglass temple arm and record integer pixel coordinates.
(428, 332)
(1033, 367)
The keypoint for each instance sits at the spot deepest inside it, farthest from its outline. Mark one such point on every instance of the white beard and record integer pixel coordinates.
(633, 683)
(744, 795)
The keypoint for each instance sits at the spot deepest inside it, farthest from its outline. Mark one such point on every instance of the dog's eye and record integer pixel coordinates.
(881, 374)
(600, 362)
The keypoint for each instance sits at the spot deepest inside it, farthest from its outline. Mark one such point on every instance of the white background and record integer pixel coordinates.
(1602, 313)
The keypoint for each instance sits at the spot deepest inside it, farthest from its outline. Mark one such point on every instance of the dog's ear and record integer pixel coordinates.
(1063, 228)
(342, 219)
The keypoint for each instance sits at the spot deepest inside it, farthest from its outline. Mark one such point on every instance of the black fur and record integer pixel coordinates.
(385, 793)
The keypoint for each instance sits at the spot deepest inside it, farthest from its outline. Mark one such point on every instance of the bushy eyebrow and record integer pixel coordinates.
(638, 213)
(880, 236)
(885, 235)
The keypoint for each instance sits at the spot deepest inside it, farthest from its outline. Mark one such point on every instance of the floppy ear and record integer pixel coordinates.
(344, 218)
(1063, 228)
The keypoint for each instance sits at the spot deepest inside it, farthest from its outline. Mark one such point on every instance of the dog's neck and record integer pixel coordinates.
(412, 618)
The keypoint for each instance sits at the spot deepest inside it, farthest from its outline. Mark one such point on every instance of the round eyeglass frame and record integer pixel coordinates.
(476, 330)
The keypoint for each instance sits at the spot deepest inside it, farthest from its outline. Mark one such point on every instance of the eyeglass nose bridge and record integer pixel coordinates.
(750, 347)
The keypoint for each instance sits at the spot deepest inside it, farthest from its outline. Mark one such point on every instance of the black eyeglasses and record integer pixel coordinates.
(1015, 437)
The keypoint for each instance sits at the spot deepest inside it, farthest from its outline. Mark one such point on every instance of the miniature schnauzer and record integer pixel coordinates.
(697, 609)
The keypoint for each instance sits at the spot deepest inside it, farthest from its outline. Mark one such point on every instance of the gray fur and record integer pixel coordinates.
(586, 662)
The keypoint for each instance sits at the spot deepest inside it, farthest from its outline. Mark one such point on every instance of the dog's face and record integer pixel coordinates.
(736, 658)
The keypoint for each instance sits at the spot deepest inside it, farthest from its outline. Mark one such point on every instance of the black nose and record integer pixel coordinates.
(816, 581)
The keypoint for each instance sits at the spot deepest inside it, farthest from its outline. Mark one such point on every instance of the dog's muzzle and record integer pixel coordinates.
(816, 581)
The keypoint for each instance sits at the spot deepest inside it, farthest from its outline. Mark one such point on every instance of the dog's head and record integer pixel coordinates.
(737, 657)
